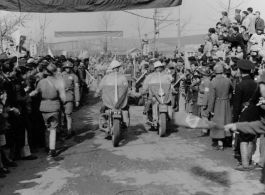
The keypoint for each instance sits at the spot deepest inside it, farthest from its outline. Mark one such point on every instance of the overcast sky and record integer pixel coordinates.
(203, 15)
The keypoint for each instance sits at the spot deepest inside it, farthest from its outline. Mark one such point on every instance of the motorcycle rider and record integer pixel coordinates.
(109, 79)
(154, 78)
(72, 95)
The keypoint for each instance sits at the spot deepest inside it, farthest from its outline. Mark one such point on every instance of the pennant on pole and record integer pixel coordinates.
(16, 37)
(64, 53)
(50, 52)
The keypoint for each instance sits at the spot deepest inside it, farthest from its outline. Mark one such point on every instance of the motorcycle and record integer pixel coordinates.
(116, 118)
(100, 75)
(161, 109)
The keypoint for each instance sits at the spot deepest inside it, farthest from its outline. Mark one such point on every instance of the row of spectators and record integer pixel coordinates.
(22, 130)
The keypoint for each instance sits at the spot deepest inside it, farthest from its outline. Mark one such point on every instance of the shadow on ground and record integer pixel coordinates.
(220, 178)
(133, 134)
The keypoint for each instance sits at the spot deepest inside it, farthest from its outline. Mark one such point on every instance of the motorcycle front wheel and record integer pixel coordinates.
(162, 124)
(116, 133)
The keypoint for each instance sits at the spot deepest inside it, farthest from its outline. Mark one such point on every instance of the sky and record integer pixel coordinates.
(203, 14)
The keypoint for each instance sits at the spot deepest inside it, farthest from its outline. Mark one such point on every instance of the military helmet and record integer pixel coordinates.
(68, 64)
(51, 68)
(158, 64)
(204, 71)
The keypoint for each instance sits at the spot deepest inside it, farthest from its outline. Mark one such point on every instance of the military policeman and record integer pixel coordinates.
(203, 96)
(52, 92)
(109, 80)
(245, 110)
(72, 95)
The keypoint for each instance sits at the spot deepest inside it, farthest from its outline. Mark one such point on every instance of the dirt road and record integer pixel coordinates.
(144, 164)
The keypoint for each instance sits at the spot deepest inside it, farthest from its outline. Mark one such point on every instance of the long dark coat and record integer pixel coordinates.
(219, 103)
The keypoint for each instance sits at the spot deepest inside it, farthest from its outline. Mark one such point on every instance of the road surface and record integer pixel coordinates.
(145, 164)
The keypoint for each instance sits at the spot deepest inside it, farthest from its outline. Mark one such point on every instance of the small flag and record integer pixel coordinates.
(50, 52)
(184, 119)
(16, 37)
(64, 53)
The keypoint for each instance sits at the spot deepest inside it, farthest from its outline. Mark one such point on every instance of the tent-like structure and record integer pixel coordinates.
(52, 6)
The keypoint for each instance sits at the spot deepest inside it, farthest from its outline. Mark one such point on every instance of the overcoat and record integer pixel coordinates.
(219, 103)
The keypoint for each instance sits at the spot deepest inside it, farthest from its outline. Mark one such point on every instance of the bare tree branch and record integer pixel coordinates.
(105, 22)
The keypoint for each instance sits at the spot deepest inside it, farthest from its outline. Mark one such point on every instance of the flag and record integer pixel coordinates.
(89, 79)
(184, 119)
(3, 56)
(16, 37)
(64, 53)
(50, 52)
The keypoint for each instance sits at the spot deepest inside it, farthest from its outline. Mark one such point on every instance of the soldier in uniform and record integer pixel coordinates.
(245, 110)
(203, 96)
(109, 79)
(219, 104)
(52, 92)
(72, 95)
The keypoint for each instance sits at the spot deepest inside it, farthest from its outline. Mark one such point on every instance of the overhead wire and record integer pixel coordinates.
(166, 20)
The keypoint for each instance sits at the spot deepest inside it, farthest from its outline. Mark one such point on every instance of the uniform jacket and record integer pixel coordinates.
(259, 24)
(71, 82)
(252, 19)
(49, 91)
(219, 103)
(243, 93)
(204, 89)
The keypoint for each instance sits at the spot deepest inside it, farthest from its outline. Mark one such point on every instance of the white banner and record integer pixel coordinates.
(33, 49)
(145, 50)
(16, 37)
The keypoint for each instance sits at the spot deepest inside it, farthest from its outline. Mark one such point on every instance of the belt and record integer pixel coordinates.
(51, 100)
(224, 98)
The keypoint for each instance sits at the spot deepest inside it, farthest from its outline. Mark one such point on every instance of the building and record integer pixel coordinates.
(133, 52)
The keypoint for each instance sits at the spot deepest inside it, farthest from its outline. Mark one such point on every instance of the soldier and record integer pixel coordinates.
(72, 95)
(245, 110)
(203, 96)
(110, 80)
(51, 91)
(219, 104)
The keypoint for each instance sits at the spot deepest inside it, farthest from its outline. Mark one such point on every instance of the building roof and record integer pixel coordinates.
(132, 50)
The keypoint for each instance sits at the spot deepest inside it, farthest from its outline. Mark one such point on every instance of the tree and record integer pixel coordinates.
(138, 25)
(159, 19)
(43, 22)
(105, 22)
(227, 5)
(11, 22)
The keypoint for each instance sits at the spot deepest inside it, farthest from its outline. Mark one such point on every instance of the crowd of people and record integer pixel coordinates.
(38, 97)
(222, 84)
(219, 83)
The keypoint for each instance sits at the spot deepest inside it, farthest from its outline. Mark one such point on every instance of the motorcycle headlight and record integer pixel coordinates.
(161, 92)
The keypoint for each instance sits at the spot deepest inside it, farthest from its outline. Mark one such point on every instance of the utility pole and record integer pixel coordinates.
(155, 26)
(228, 8)
(179, 33)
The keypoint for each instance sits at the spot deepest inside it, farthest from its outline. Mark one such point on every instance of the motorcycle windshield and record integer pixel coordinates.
(166, 88)
(108, 96)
